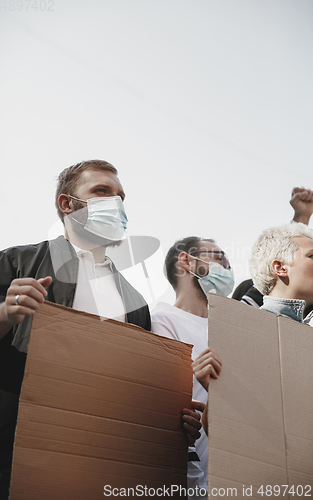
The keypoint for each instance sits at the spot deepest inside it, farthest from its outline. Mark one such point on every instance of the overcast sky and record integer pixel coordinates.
(204, 106)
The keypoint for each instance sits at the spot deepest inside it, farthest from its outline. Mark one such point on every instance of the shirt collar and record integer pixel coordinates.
(292, 308)
(87, 253)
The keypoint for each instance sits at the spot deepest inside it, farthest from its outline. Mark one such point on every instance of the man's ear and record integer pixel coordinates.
(65, 204)
(279, 268)
(184, 261)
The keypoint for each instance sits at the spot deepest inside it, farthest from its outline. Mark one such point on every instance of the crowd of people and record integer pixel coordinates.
(73, 270)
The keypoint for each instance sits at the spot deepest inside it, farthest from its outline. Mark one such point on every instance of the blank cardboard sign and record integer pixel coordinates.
(261, 407)
(100, 407)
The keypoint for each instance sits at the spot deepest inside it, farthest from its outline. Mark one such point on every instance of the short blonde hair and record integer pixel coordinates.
(274, 243)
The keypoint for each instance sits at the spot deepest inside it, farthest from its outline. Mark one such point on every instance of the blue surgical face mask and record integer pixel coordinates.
(218, 279)
(106, 217)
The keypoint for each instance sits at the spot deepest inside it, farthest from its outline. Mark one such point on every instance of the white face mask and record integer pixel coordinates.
(218, 279)
(106, 217)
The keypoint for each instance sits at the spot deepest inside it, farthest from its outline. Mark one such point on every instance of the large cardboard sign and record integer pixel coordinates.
(100, 408)
(261, 408)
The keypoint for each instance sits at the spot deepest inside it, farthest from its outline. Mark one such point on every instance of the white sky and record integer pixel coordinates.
(204, 106)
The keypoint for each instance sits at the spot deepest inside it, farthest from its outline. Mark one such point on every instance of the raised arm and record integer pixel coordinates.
(302, 203)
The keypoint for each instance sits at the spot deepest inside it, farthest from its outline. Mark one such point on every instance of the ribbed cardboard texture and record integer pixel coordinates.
(261, 407)
(100, 405)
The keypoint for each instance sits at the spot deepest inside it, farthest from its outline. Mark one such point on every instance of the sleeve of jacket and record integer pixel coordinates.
(137, 310)
(146, 318)
(7, 273)
(12, 362)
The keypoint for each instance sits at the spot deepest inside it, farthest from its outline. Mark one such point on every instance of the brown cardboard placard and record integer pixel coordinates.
(261, 407)
(100, 406)
(296, 345)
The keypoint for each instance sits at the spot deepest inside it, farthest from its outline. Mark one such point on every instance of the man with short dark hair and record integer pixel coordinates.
(194, 266)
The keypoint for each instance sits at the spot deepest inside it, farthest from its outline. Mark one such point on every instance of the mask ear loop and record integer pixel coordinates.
(190, 272)
(78, 199)
(200, 260)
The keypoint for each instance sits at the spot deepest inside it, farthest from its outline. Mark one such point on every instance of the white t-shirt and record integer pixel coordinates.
(96, 291)
(177, 324)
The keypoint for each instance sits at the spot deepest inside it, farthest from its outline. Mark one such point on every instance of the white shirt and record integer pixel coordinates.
(96, 291)
(175, 323)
